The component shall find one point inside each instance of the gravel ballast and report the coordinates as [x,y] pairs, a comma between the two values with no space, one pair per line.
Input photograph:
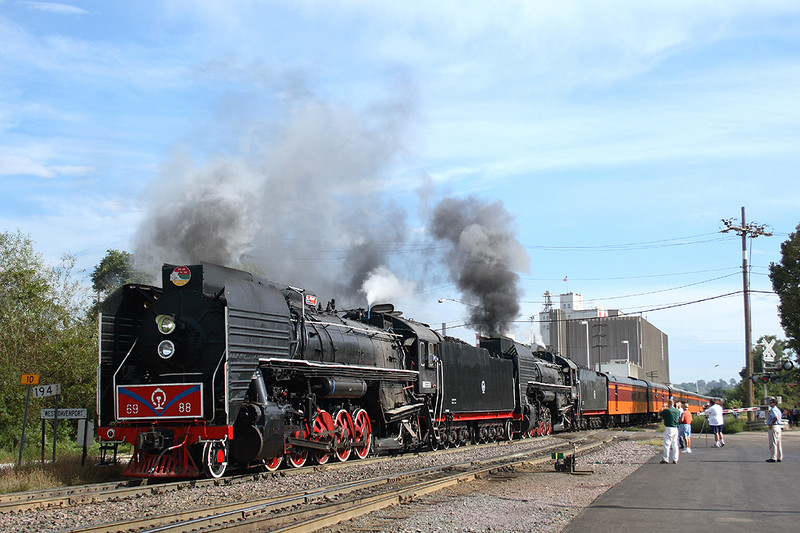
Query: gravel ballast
[523,500]
[531,499]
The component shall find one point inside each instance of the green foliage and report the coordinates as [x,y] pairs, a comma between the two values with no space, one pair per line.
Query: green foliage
[702,386]
[115,270]
[785,277]
[45,331]
[733,424]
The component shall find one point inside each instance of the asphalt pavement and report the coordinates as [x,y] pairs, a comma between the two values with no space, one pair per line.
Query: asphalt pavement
[712,489]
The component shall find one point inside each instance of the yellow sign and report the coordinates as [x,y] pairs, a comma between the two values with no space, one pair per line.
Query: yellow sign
[30,379]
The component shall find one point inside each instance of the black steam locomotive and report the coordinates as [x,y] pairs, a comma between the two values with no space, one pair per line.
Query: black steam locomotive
[220,368]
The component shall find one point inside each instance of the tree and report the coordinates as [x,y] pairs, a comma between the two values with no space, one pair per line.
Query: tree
[113,271]
[44,331]
[785,277]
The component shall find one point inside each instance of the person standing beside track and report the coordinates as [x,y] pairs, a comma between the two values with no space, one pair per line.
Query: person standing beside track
[685,429]
[774,424]
[670,416]
[715,422]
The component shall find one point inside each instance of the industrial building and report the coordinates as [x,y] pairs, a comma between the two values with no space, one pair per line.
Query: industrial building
[604,339]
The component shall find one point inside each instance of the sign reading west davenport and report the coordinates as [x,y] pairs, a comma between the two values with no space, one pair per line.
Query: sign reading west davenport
[49,414]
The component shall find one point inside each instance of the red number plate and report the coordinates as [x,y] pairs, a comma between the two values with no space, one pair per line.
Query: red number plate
[160,401]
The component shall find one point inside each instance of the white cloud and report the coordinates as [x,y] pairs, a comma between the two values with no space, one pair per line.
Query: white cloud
[55,7]
[39,160]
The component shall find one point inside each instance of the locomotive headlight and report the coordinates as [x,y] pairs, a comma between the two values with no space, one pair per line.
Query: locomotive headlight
[166,349]
[165,323]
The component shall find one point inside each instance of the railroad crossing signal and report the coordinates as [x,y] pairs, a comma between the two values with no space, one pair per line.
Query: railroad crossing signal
[768,355]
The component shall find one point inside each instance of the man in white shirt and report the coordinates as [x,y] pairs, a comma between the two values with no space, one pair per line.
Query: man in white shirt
[715,422]
[774,424]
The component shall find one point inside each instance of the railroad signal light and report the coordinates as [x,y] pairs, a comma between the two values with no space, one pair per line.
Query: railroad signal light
[765,378]
[773,378]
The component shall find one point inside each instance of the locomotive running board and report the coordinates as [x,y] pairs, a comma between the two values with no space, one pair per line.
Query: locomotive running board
[317,369]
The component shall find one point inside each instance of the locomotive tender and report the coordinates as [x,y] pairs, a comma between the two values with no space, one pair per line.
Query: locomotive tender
[221,368]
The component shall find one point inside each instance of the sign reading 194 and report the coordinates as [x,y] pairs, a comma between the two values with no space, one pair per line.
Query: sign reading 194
[40,391]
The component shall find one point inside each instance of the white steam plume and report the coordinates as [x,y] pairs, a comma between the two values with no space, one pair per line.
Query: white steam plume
[382,285]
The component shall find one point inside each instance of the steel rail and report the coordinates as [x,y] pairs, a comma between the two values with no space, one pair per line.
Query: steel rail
[316,508]
[76,494]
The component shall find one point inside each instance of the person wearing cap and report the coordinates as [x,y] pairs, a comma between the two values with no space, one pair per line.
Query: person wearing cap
[774,424]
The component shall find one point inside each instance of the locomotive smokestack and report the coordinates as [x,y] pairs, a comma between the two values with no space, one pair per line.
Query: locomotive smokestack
[484,259]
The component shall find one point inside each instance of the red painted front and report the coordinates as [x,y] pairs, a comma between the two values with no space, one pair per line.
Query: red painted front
[178,462]
[127,432]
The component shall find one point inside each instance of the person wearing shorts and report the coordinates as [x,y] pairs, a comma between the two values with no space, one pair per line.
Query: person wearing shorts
[715,422]
[685,429]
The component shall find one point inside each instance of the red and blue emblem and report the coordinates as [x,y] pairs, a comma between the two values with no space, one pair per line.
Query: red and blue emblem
[160,401]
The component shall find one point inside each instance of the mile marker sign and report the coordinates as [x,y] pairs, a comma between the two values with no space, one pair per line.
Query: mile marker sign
[30,379]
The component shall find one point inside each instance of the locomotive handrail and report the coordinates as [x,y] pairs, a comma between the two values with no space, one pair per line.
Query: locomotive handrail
[549,385]
[365,331]
[214,381]
[114,378]
[366,372]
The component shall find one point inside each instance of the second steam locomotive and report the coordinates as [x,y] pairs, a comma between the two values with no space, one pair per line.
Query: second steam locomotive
[219,368]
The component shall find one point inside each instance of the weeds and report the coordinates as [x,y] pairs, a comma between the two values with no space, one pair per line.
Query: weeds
[67,470]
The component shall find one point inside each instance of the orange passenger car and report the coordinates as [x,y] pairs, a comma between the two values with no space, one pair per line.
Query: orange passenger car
[627,399]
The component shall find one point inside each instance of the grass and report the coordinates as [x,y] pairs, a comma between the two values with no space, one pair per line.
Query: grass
[66,471]
[732,424]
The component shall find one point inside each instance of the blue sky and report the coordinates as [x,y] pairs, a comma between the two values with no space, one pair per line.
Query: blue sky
[616,135]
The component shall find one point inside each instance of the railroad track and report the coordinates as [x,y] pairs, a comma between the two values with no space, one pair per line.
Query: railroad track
[309,510]
[98,492]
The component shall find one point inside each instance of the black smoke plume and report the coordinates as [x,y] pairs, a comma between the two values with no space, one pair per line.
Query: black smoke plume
[484,259]
[300,193]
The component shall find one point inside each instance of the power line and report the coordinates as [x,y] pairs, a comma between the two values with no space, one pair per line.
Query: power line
[663,243]
[644,276]
[653,292]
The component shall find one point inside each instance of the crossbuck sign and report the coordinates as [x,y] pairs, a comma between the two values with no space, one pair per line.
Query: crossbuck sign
[768,356]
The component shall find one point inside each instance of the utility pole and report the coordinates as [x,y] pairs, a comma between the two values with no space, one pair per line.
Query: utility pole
[753,231]
[600,335]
